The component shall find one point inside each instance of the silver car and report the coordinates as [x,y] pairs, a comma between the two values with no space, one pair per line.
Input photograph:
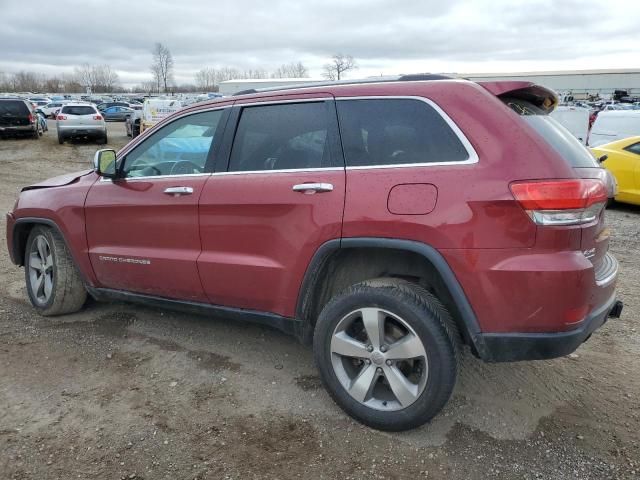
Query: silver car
[80,120]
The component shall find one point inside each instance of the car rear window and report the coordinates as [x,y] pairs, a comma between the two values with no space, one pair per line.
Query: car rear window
[396,132]
[79,110]
[13,108]
[560,139]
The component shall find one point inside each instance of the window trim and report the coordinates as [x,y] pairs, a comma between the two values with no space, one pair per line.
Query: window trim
[233,117]
[473,155]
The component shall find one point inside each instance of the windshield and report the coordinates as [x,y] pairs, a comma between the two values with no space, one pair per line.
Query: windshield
[568,146]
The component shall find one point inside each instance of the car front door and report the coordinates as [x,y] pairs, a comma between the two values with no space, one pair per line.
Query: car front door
[142,229]
[281,198]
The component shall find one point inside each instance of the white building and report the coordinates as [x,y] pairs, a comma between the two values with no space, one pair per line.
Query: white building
[230,87]
[578,82]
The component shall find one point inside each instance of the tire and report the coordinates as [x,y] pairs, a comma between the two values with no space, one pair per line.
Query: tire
[36,134]
[62,290]
[60,139]
[406,311]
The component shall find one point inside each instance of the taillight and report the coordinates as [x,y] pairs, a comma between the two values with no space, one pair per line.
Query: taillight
[61,117]
[561,202]
[97,117]
[31,118]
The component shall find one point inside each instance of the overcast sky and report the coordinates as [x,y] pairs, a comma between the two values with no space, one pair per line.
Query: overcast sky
[385,36]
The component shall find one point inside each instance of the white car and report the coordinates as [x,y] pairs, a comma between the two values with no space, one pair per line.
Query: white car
[80,120]
[50,109]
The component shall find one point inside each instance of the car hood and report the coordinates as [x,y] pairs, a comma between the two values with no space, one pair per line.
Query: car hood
[58,181]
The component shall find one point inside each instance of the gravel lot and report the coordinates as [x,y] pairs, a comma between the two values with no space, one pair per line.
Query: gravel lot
[121,391]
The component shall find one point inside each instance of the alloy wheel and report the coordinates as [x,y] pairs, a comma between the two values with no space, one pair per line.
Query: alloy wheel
[379,359]
[41,269]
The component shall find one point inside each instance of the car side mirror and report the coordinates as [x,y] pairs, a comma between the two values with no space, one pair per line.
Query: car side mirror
[104,163]
[602,158]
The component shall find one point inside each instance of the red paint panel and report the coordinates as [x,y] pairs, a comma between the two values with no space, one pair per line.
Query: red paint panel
[143,240]
[258,236]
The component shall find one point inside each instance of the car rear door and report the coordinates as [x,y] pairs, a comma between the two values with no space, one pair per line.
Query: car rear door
[281,197]
[142,229]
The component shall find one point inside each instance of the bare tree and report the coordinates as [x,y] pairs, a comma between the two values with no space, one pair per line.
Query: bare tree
[291,70]
[206,79]
[106,79]
[98,78]
[25,82]
[162,66]
[339,64]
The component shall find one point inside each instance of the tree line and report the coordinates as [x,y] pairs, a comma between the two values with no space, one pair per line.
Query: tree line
[104,79]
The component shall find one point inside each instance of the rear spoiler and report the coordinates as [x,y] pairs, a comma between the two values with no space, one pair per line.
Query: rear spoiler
[540,96]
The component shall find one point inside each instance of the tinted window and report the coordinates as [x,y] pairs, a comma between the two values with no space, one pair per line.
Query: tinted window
[280,137]
[635,148]
[179,148]
[79,110]
[395,132]
[13,108]
[562,141]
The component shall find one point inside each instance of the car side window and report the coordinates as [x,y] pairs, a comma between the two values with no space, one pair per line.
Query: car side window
[282,137]
[634,148]
[179,148]
[378,132]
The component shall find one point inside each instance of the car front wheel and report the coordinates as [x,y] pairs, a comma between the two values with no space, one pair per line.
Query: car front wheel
[387,351]
[53,282]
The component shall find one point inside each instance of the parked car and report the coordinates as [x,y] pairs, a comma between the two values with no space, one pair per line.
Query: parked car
[132,123]
[117,113]
[39,101]
[610,126]
[18,117]
[466,220]
[76,120]
[50,109]
[105,105]
[622,159]
[42,118]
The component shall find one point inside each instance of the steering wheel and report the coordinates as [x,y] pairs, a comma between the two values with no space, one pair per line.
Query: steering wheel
[144,166]
[184,167]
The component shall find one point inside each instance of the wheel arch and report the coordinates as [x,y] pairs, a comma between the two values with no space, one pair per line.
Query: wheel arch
[352,260]
[21,230]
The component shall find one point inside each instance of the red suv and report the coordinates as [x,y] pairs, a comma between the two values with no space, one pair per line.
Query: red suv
[386,223]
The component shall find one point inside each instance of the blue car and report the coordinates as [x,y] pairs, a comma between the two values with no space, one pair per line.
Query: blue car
[117,113]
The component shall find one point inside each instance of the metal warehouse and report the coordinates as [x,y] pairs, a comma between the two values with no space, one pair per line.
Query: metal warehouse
[577,82]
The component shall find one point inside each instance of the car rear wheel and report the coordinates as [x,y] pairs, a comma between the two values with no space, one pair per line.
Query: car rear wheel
[53,282]
[60,139]
[387,351]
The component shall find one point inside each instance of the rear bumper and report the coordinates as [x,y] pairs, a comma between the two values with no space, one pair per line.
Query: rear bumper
[83,130]
[512,347]
[18,129]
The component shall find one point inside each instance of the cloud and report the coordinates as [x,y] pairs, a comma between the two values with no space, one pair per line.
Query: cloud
[385,37]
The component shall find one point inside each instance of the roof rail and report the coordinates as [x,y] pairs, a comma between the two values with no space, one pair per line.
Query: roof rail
[414,77]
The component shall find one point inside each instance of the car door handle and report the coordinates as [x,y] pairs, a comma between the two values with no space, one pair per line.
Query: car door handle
[313,188]
[177,191]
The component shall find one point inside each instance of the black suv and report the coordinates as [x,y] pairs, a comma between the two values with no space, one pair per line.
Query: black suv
[17,116]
